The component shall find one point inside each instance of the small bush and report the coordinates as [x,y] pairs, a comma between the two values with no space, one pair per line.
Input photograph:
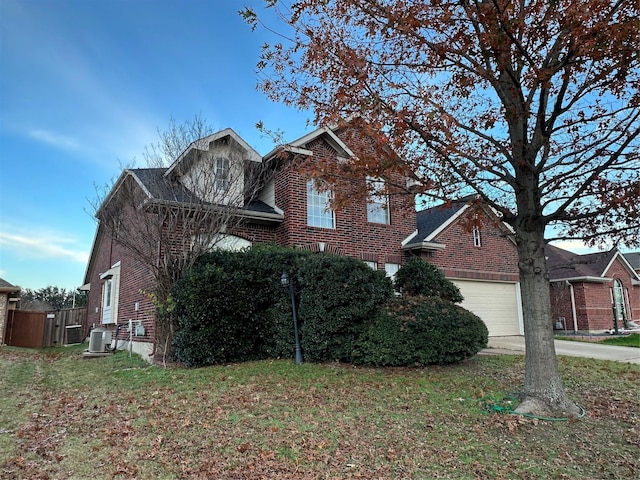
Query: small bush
[420,278]
[421,331]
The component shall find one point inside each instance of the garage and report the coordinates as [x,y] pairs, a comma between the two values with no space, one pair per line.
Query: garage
[496,303]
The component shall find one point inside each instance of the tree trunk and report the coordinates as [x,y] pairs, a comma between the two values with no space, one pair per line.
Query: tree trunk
[543,392]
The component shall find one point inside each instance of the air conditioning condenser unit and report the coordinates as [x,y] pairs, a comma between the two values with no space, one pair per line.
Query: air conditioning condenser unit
[99,340]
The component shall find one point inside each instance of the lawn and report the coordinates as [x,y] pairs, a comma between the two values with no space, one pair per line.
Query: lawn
[63,417]
[631,340]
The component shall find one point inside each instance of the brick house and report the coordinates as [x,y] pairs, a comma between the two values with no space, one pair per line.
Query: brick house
[475,250]
[589,292]
[289,210]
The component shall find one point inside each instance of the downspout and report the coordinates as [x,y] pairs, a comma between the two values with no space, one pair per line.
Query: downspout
[613,310]
[573,308]
[629,315]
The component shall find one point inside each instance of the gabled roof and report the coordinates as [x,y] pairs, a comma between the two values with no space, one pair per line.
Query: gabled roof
[299,145]
[202,144]
[432,221]
[590,267]
[159,189]
[634,260]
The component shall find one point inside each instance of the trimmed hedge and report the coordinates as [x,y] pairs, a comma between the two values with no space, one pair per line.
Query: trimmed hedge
[420,278]
[421,331]
[338,297]
[231,307]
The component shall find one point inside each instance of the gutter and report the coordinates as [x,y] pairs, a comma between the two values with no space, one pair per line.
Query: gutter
[430,246]
[582,279]
[573,307]
[234,211]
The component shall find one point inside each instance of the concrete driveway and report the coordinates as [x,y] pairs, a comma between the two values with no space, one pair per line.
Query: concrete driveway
[515,344]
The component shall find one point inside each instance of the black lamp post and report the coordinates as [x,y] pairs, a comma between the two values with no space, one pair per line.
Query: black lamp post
[284,279]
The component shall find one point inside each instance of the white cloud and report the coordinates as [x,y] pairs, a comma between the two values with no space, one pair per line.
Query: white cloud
[43,245]
[54,139]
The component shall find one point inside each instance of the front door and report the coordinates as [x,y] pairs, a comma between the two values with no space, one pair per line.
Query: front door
[107,300]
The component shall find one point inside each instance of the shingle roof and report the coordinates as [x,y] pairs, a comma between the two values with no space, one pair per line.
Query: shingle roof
[259,206]
[7,287]
[634,259]
[565,265]
[161,188]
[430,219]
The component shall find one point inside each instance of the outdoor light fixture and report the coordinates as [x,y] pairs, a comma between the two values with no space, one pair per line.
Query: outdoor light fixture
[284,279]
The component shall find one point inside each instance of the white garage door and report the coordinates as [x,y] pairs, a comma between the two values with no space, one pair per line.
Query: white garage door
[497,304]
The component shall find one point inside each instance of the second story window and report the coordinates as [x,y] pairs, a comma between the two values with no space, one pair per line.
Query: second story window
[319,213]
[222,173]
[378,202]
[477,240]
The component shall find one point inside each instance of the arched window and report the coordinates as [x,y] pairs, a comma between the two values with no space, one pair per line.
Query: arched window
[618,302]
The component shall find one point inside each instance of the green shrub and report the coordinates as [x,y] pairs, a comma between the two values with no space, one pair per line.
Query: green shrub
[231,307]
[421,331]
[338,297]
[418,277]
[214,327]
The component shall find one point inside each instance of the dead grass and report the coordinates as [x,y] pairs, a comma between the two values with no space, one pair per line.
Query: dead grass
[63,417]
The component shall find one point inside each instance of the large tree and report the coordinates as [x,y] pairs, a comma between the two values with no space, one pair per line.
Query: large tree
[532,105]
[52,297]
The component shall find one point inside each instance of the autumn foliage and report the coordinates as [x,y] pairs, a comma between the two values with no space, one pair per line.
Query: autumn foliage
[532,105]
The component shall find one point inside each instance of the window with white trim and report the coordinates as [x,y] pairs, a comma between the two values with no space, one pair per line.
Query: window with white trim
[477,240]
[619,306]
[223,168]
[378,202]
[371,265]
[219,241]
[319,213]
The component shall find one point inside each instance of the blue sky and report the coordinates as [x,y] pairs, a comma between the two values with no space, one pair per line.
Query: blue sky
[85,85]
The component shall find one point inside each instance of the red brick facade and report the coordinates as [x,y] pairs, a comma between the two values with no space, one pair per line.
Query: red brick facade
[353,235]
[135,284]
[495,259]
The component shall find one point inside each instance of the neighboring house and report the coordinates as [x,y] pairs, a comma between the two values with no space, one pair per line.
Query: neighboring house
[8,300]
[290,210]
[475,250]
[589,291]
[634,260]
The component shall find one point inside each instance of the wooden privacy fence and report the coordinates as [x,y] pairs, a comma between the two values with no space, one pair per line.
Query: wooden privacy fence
[32,329]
